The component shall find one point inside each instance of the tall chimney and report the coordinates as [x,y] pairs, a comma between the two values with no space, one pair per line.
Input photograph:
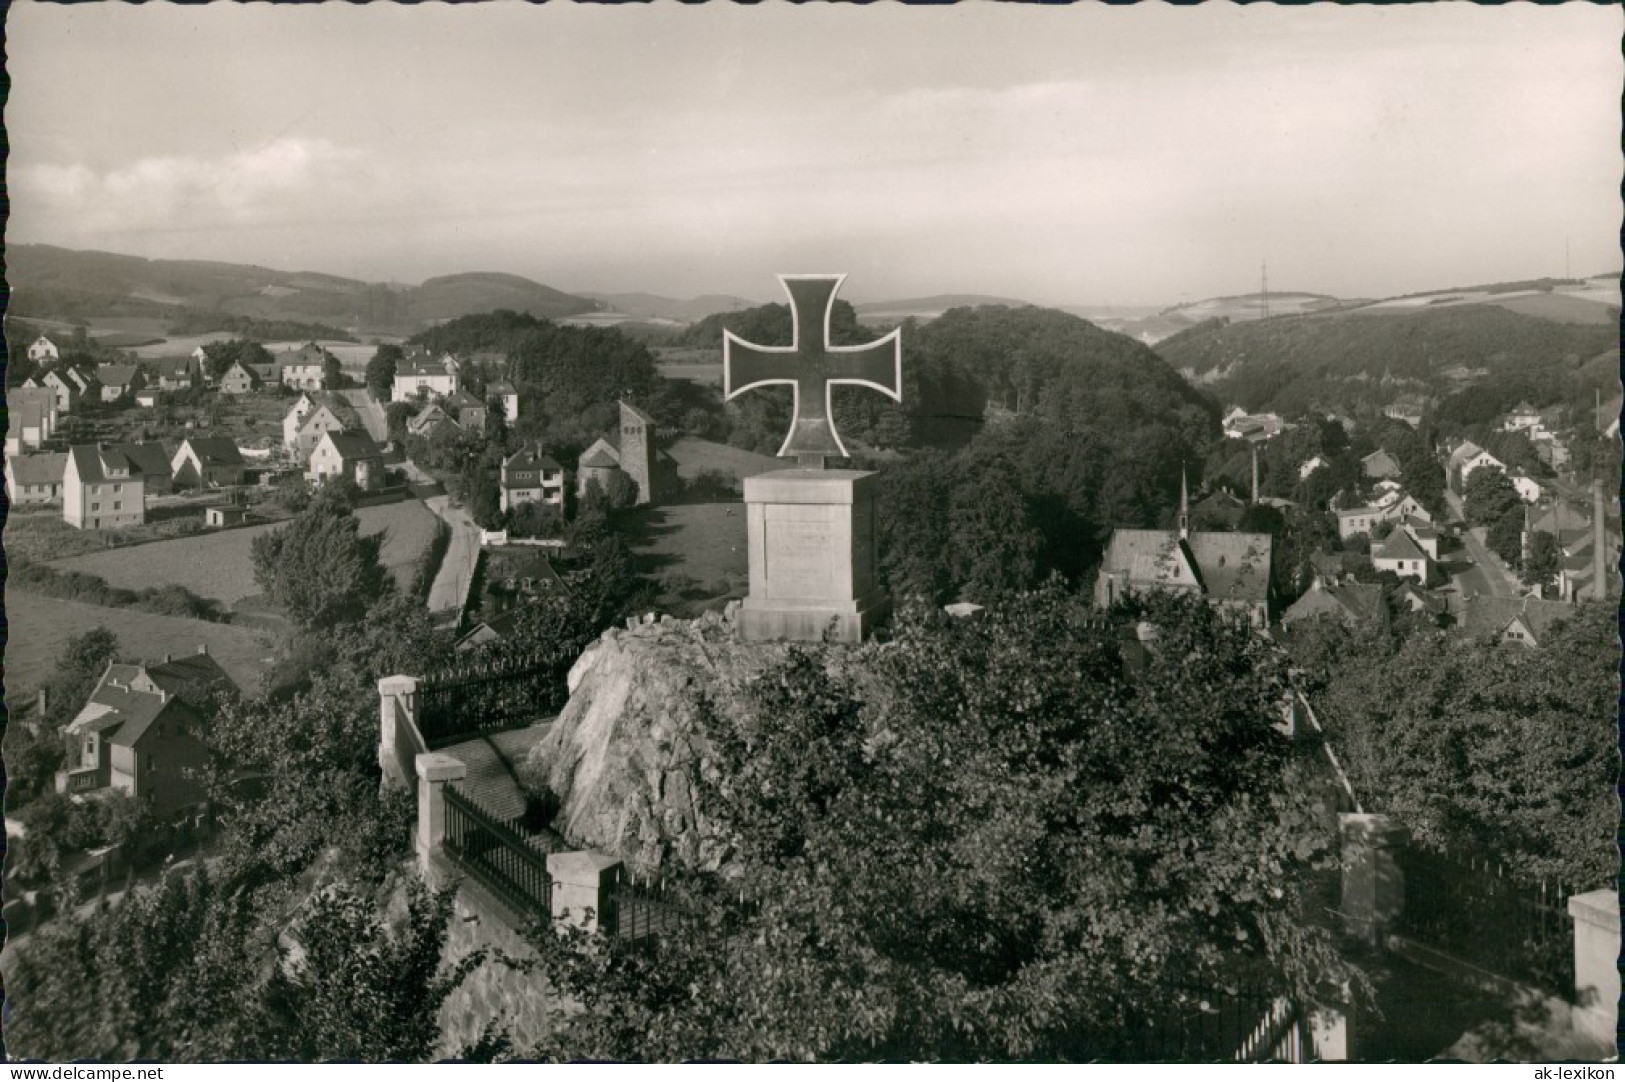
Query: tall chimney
[43,703]
[1599,543]
[1184,506]
[1255,472]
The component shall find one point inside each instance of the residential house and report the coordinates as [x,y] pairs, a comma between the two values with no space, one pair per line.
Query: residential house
[139,733]
[1400,553]
[149,397]
[1467,458]
[468,411]
[225,516]
[101,489]
[66,391]
[174,373]
[304,368]
[28,423]
[119,380]
[429,418]
[240,378]
[1217,511]
[508,395]
[43,351]
[1407,409]
[530,476]
[1529,489]
[1415,599]
[152,460]
[425,375]
[348,454]
[270,373]
[1423,533]
[311,417]
[207,462]
[1381,465]
[85,379]
[1352,605]
[35,478]
[1310,467]
[1523,418]
[1524,620]
[1255,426]
[1230,570]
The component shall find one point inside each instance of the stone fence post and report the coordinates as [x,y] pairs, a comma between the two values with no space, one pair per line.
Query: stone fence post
[434,771]
[1596,966]
[582,881]
[1373,885]
[397,702]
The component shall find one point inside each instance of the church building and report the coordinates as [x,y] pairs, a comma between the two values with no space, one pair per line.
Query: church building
[1231,570]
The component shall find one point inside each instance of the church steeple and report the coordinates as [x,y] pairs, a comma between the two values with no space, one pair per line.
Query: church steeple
[1184,506]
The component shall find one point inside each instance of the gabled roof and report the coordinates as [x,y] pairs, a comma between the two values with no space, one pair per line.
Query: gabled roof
[303,357]
[1398,546]
[129,698]
[215,450]
[353,445]
[502,387]
[1491,616]
[1233,565]
[151,458]
[600,458]
[426,364]
[462,400]
[170,367]
[1355,601]
[93,460]
[117,375]
[1151,558]
[244,369]
[46,469]
[531,458]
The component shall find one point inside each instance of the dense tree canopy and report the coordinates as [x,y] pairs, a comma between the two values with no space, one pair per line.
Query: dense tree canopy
[219,356]
[991,840]
[1488,749]
[319,569]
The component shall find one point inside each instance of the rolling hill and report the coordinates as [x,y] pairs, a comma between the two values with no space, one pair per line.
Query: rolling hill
[654,306]
[60,283]
[928,308]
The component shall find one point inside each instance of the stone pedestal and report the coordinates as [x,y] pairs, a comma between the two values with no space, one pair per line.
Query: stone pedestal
[1596,965]
[584,881]
[813,557]
[1373,886]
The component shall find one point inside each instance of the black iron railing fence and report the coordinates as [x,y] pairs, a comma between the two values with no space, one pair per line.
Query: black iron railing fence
[500,855]
[489,697]
[1217,1022]
[1477,912]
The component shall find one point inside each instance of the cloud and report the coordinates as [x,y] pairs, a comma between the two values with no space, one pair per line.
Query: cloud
[283,179]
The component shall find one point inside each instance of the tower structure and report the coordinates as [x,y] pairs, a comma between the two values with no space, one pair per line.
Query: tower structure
[1184,506]
[1264,276]
[637,447]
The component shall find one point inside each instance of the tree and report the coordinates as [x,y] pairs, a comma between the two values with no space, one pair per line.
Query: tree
[381,371]
[397,415]
[1505,535]
[1545,558]
[989,841]
[319,569]
[333,377]
[1487,749]
[1488,495]
[83,659]
[219,356]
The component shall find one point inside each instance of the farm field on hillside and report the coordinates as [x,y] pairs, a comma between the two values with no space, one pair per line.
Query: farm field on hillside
[694,373]
[218,565]
[37,627]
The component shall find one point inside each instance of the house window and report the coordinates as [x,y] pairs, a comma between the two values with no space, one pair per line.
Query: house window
[118,488]
[118,505]
[152,765]
[95,507]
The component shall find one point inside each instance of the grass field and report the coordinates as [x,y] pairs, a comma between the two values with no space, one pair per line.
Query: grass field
[696,552]
[40,535]
[218,565]
[694,455]
[37,627]
[694,373]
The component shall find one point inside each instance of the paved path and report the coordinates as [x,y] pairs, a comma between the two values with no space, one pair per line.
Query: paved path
[1489,574]
[452,582]
[372,414]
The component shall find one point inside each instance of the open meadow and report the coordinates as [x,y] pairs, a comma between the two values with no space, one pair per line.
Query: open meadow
[38,627]
[694,456]
[695,553]
[218,565]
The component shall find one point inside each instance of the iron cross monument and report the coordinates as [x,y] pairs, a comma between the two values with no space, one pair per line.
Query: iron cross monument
[812,530]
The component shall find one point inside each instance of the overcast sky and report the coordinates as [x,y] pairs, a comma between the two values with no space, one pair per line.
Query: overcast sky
[1061,155]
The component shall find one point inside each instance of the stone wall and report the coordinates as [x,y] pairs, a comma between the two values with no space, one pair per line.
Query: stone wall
[497,991]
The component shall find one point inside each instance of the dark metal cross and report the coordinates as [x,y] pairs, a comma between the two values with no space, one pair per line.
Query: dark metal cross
[811,366]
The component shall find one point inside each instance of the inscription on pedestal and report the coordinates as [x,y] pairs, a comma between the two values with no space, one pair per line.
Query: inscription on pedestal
[799,544]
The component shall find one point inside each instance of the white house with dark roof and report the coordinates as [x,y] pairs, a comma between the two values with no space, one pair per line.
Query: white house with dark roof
[102,489]
[508,395]
[1467,458]
[139,732]
[1400,553]
[118,380]
[35,478]
[425,374]
[311,417]
[207,462]
[530,476]
[43,351]
[304,368]
[353,455]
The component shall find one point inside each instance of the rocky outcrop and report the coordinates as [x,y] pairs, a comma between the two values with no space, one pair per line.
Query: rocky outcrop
[627,757]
